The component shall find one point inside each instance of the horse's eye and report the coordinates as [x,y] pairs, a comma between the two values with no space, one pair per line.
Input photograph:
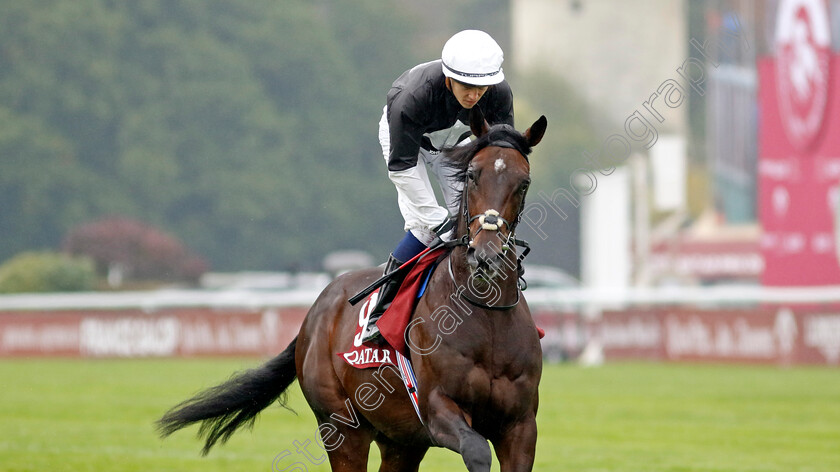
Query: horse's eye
[524,186]
[471,175]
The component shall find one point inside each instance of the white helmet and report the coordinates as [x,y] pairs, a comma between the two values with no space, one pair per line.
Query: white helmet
[473,57]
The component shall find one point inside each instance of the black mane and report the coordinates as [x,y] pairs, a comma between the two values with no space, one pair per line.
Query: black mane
[459,157]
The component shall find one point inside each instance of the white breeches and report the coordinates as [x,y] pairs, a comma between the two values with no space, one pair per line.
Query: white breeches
[415,196]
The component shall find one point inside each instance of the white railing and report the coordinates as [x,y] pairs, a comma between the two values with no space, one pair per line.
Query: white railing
[152,300]
[723,296]
[731,296]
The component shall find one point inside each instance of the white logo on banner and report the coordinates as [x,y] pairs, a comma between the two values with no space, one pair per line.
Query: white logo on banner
[803,51]
[129,336]
[733,337]
[781,200]
[823,333]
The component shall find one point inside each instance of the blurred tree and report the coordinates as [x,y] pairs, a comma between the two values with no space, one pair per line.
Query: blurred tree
[46,271]
[438,20]
[43,186]
[247,128]
[127,249]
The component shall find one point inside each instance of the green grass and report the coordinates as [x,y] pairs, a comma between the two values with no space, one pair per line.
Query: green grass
[83,415]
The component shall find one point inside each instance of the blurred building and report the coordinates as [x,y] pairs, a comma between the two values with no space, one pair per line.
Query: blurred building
[752,88]
[614,52]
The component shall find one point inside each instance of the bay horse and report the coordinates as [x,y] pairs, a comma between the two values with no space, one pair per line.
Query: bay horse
[474,346]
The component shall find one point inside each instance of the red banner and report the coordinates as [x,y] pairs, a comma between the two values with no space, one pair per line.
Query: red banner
[773,335]
[133,333]
[799,149]
[777,334]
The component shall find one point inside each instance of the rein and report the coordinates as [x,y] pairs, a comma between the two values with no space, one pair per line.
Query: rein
[522,285]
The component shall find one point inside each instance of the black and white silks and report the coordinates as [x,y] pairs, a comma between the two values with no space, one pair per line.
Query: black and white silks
[421,118]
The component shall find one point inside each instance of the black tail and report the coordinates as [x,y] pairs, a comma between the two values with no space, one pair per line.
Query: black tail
[225,408]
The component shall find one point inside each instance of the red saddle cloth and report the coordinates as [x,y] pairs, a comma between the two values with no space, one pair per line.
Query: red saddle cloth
[393,322]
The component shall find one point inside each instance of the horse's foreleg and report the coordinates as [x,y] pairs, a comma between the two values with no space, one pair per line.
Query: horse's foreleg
[449,428]
[516,448]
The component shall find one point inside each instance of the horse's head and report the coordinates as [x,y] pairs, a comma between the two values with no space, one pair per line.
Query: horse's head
[496,179]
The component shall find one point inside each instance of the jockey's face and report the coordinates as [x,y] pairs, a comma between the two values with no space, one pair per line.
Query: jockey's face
[467,95]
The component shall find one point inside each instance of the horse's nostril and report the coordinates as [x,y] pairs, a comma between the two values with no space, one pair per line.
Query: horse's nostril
[472,260]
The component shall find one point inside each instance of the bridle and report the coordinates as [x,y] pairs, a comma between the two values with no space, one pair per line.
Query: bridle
[491,220]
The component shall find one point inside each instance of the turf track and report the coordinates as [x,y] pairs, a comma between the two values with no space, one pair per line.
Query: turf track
[83,415]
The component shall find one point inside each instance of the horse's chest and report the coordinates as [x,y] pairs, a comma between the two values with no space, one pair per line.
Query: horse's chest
[494,391]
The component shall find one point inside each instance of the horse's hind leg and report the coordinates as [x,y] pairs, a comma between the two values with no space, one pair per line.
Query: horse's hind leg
[517,447]
[399,457]
[347,447]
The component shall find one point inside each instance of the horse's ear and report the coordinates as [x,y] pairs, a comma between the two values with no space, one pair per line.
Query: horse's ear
[535,133]
[478,125]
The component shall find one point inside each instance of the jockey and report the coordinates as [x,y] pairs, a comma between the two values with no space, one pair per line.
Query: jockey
[427,111]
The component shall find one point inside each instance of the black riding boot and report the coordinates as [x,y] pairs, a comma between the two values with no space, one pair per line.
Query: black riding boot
[386,295]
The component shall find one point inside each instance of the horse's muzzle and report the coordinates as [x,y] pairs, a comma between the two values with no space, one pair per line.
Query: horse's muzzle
[486,263]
